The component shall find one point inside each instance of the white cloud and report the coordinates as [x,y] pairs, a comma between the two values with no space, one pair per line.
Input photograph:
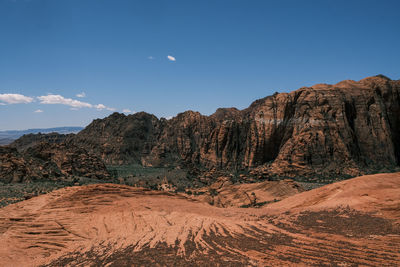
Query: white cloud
[101,107]
[14,99]
[38,111]
[58,99]
[81,95]
[127,110]
[73,103]
[150,57]
[169,117]
[171,58]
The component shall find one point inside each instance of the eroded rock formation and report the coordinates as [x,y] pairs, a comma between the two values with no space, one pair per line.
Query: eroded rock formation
[348,128]
[120,139]
[223,193]
[340,130]
[49,161]
[29,140]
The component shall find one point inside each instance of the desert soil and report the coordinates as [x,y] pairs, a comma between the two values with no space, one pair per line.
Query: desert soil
[349,223]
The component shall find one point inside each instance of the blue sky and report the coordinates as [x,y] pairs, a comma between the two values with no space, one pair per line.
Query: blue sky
[227,53]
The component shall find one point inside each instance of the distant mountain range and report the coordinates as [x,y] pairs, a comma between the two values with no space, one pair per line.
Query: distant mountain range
[6,137]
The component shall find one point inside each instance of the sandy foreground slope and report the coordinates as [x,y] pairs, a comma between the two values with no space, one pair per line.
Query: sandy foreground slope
[354,222]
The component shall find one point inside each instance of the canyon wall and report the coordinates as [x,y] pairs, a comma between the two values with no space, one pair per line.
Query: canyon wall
[345,129]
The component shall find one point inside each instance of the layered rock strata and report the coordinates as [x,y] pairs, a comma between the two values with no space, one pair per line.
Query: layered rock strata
[348,128]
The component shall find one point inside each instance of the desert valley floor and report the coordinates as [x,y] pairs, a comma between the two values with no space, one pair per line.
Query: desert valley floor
[349,223]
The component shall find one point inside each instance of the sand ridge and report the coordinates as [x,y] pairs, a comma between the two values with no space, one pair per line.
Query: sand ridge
[347,223]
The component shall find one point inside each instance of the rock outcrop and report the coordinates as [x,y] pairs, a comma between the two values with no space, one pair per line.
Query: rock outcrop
[120,139]
[49,162]
[348,128]
[223,193]
[29,140]
[14,167]
[340,130]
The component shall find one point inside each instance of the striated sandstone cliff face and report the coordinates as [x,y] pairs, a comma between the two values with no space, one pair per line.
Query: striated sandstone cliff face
[349,128]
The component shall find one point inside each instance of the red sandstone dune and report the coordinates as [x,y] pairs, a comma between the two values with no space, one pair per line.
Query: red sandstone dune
[370,193]
[354,222]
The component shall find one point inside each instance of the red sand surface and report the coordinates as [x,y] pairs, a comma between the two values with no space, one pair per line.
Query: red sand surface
[354,222]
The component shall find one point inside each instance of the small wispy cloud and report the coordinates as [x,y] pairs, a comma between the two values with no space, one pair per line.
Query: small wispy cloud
[73,103]
[81,95]
[171,58]
[101,107]
[150,57]
[15,99]
[169,117]
[127,110]
[38,111]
